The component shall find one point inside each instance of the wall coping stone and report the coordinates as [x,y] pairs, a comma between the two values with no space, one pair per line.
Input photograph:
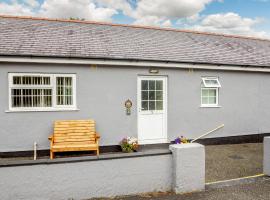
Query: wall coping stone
[145,153]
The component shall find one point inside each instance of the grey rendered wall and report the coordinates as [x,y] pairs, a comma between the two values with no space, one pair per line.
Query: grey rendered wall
[101,92]
[188,167]
[83,180]
[266,156]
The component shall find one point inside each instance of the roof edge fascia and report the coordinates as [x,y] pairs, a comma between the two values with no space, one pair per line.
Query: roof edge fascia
[134,63]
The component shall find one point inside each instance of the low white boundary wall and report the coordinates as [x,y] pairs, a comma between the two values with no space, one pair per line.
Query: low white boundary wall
[188,167]
[104,178]
[266,156]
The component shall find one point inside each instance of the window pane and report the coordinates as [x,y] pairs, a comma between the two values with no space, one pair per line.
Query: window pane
[211,82]
[17,80]
[64,90]
[26,98]
[159,105]
[70,100]
[31,80]
[68,81]
[144,85]
[144,105]
[46,80]
[212,92]
[68,91]
[47,101]
[31,97]
[212,100]
[204,100]
[204,92]
[152,105]
[60,90]
[16,97]
[26,80]
[37,98]
[47,98]
[152,95]
[144,95]
[159,85]
[152,85]
[159,95]
[60,100]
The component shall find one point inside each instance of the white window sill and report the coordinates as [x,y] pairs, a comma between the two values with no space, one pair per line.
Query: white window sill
[210,106]
[45,110]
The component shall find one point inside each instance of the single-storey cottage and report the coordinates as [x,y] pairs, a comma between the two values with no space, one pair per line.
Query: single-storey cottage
[178,82]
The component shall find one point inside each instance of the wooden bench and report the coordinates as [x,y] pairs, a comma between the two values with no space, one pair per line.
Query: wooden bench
[74,135]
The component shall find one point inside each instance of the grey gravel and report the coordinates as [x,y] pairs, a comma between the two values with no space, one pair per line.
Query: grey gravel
[225,162]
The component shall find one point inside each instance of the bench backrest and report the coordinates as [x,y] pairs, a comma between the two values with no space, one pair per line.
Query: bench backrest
[74,131]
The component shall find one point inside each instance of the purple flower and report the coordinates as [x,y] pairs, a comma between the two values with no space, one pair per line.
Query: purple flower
[177,140]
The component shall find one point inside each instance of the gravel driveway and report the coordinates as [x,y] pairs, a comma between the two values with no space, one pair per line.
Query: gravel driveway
[259,190]
[225,162]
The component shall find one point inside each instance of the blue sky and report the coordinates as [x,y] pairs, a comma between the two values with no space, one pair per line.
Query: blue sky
[245,8]
[240,17]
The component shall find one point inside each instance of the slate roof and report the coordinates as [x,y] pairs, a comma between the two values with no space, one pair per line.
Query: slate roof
[24,36]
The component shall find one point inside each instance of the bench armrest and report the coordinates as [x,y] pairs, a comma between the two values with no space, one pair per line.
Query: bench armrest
[97,136]
[50,138]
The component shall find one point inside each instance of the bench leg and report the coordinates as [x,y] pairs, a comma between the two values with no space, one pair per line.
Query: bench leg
[97,151]
[51,155]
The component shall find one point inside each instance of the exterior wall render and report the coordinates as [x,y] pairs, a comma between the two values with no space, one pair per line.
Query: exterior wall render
[84,180]
[183,170]
[101,92]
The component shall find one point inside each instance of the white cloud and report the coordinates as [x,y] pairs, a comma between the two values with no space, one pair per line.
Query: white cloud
[32,3]
[151,20]
[83,9]
[170,9]
[15,9]
[144,12]
[230,23]
[157,12]
[123,5]
[166,23]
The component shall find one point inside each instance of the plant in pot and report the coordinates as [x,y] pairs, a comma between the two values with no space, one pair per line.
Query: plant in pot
[181,140]
[129,144]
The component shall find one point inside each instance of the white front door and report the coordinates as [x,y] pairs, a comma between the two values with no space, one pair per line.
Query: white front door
[152,109]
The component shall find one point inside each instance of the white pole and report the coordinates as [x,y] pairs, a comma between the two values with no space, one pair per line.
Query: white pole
[221,126]
[35,150]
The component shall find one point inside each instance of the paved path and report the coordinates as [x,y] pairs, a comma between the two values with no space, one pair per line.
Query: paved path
[259,190]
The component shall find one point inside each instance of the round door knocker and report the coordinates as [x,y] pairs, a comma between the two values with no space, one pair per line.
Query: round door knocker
[128,105]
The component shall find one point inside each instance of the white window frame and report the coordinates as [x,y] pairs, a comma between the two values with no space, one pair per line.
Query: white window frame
[206,85]
[52,86]
[216,87]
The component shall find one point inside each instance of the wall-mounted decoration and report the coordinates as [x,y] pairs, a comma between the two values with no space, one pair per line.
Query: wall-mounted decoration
[128,105]
[153,71]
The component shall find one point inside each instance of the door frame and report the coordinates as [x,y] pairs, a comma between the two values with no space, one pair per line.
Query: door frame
[165,107]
